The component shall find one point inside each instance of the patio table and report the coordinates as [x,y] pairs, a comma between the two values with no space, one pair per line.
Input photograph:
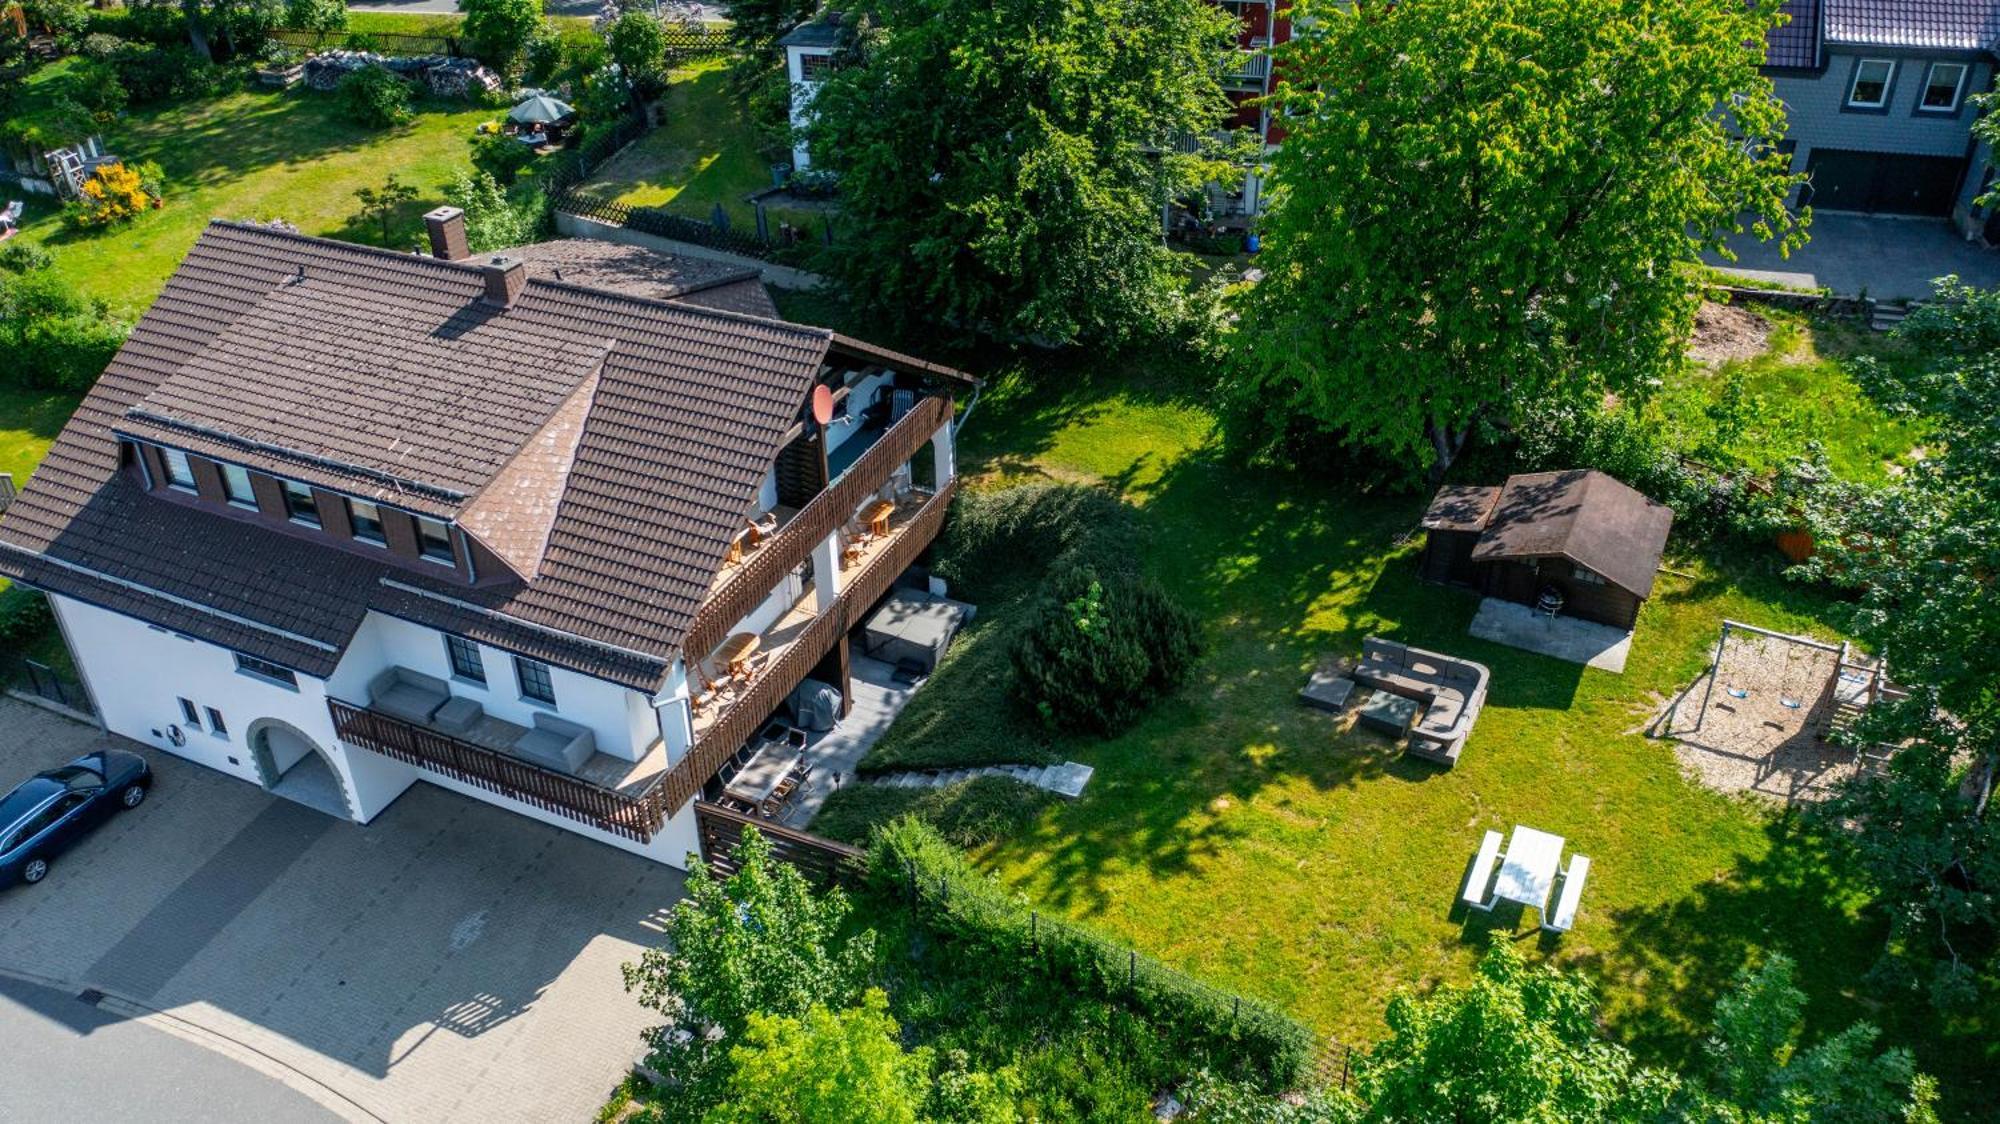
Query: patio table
[758,779]
[1529,868]
[738,649]
[877,517]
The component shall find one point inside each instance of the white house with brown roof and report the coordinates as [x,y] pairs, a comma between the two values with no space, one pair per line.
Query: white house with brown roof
[558,529]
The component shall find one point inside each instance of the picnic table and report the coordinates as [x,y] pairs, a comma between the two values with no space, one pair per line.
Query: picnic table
[877,517]
[1528,870]
[759,779]
[737,650]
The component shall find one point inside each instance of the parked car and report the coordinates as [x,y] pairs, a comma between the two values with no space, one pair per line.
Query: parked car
[56,807]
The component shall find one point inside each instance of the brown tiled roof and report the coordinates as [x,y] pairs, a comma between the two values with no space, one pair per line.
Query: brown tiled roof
[684,421]
[640,272]
[1461,507]
[1585,516]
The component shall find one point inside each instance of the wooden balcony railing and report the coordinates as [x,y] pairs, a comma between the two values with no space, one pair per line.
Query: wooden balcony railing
[714,745]
[823,861]
[634,816]
[793,544]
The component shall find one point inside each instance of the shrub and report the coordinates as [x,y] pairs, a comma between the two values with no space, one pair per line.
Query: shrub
[374,97]
[1018,532]
[115,193]
[316,15]
[1099,649]
[64,19]
[161,24]
[493,219]
[24,616]
[102,47]
[987,931]
[813,183]
[160,73]
[501,157]
[53,336]
[562,55]
[500,30]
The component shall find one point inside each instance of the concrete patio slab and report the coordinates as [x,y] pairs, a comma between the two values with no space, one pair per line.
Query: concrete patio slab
[1566,638]
[1883,257]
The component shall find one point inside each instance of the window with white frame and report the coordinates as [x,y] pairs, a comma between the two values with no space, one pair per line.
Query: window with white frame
[465,661]
[1942,87]
[180,473]
[301,504]
[267,671]
[434,541]
[1871,83]
[366,519]
[236,483]
[815,68]
[533,676]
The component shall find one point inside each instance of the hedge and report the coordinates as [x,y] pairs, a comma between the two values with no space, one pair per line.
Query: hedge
[991,931]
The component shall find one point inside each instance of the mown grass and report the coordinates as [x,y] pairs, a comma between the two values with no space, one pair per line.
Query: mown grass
[706,151]
[1244,838]
[258,155]
[969,813]
[1801,390]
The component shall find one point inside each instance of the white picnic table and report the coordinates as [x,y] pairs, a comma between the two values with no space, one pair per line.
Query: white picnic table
[1528,870]
[758,779]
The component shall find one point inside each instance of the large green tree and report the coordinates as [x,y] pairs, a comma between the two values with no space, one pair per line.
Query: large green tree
[760,942]
[500,30]
[1003,164]
[1925,553]
[1481,204]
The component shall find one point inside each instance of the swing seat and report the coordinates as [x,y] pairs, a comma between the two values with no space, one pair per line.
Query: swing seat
[1789,704]
[1736,692]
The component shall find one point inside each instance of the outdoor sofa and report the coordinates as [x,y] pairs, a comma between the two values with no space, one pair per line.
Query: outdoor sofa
[1450,690]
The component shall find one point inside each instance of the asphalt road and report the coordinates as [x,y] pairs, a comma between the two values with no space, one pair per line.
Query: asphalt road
[63,1059]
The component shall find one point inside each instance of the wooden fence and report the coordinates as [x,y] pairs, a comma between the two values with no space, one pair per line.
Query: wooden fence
[823,861]
[635,817]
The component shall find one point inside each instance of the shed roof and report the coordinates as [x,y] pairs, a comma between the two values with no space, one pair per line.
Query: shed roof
[1461,507]
[1582,515]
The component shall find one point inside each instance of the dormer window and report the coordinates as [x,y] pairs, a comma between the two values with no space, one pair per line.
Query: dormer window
[434,541]
[236,483]
[366,519]
[180,473]
[301,505]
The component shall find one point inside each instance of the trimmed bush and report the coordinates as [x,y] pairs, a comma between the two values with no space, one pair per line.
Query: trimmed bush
[374,97]
[53,336]
[1017,533]
[988,931]
[24,616]
[1099,649]
[161,73]
[969,813]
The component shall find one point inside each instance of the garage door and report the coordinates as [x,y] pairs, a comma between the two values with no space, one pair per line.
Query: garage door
[1884,182]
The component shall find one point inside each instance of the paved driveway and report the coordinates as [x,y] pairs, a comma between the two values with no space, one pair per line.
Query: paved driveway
[450,961]
[1853,255]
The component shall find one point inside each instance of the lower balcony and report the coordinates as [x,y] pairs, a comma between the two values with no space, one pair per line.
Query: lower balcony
[606,792]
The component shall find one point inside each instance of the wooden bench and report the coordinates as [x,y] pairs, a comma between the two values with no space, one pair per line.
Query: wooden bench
[1572,893]
[1482,873]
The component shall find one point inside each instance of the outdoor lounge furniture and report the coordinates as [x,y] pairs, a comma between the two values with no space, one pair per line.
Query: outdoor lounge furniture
[556,743]
[1572,893]
[458,714]
[1327,690]
[1481,875]
[1449,690]
[409,695]
[1387,713]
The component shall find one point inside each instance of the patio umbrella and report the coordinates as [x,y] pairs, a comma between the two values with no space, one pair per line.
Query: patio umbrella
[540,110]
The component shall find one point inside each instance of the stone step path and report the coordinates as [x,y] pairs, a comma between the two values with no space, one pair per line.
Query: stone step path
[1066,779]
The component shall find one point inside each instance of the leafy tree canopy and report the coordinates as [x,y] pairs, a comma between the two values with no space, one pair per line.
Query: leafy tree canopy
[1482,204]
[755,26]
[757,943]
[500,30]
[1001,165]
[824,1068]
[493,221]
[1925,553]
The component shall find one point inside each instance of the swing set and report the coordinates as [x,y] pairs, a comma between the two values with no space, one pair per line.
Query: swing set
[1757,667]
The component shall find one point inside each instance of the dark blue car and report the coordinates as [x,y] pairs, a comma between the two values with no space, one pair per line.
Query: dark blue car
[53,809]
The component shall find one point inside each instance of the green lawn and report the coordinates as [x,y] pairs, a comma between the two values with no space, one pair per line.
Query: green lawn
[1233,834]
[706,151]
[254,155]
[1799,390]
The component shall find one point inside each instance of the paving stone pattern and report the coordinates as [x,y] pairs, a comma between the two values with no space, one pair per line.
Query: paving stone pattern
[450,961]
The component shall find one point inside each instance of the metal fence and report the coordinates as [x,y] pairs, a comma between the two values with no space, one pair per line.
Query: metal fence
[716,235]
[685,43]
[41,680]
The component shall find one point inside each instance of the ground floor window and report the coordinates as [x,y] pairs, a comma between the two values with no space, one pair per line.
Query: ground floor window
[534,679]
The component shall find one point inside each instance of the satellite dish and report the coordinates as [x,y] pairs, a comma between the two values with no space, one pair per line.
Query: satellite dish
[822,404]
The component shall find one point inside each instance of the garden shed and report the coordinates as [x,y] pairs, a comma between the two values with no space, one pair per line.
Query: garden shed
[1577,543]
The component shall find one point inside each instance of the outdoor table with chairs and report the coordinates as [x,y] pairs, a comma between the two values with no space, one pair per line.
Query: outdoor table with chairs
[1527,874]
[876,517]
[736,651]
[769,779]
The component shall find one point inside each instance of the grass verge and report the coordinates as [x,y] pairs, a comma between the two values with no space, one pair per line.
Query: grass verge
[969,813]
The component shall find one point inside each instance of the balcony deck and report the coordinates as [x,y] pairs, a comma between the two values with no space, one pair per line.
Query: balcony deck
[788,629]
[785,513]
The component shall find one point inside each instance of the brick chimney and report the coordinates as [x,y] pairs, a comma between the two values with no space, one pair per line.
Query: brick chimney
[447,227]
[505,278]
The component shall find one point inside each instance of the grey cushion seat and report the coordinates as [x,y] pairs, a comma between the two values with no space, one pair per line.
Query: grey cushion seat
[409,695]
[556,743]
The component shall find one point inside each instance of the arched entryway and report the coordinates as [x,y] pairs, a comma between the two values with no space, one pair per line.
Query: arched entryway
[293,766]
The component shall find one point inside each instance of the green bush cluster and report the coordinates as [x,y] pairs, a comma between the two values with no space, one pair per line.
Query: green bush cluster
[1101,647]
[997,540]
[24,616]
[152,74]
[989,931]
[969,813]
[54,336]
[374,97]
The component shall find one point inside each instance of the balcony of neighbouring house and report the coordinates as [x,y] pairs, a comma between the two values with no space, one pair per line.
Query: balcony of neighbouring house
[1247,67]
[553,764]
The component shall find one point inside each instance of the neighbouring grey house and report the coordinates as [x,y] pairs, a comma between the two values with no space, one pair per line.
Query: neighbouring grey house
[1878,93]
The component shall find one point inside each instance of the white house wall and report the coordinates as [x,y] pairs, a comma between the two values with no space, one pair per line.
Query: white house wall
[620,717]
